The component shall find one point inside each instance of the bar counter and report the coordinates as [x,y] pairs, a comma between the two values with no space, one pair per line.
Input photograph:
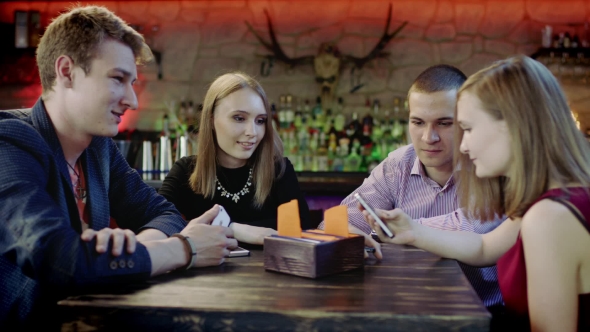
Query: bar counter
[318,183]
[409,290]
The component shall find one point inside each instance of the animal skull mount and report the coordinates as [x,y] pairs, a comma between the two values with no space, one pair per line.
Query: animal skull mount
[327,72]
[328,62]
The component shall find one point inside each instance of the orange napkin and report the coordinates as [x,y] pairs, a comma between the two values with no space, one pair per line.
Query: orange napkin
[288,222]
[336,221]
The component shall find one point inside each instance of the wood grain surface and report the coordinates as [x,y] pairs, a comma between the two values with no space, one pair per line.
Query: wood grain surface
[409,290]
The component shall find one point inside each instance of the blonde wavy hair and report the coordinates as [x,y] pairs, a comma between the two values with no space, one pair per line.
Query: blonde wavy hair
[546,144]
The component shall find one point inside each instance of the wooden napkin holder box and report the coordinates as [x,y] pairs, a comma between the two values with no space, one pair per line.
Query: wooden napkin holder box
[313,260]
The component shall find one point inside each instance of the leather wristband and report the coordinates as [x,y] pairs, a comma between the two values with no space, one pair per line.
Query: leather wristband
[189,247]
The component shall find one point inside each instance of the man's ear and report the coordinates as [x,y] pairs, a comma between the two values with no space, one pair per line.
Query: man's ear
[64,66]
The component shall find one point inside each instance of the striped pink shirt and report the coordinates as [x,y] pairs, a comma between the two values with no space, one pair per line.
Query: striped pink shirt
[400,182]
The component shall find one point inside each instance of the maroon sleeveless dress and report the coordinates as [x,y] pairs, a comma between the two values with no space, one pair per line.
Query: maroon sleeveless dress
[512,269]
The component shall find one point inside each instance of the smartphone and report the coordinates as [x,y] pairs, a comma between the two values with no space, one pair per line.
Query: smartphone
[222,218]
[369,209]
[239,252]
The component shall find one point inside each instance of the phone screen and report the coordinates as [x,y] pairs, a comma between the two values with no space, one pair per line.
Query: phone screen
[369,209]
[239,252]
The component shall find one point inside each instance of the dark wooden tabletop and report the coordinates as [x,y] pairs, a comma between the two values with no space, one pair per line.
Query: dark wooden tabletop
[409,290]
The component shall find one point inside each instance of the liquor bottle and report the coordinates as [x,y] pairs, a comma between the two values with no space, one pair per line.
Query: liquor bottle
[353,161]
[292,145]
[329,121]
[339,119]
[314,142]
[297,121]
[376,131]
[376,114]
[567,40]
[282,112]
[337,162]
[386,123]
[341,154]
[319,114]
[317,109]
[575,41]
[332,150]
[322,153]
[556,41]
[289,114]
[275,117]
[298,163]
[306,111]
[303,136]
[367,119]
[561,39]
[354,127]
[366,137]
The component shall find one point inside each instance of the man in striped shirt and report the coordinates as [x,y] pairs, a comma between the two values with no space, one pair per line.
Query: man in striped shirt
[418,178]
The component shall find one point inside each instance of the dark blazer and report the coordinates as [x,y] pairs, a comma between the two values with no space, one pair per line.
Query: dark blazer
[41,254]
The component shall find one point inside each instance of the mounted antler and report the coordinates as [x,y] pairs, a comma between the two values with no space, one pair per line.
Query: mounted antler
[276,49]
[377,51]
[328,62]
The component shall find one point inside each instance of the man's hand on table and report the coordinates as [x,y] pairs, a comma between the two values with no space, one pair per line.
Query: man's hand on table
[213,242]
[120,238]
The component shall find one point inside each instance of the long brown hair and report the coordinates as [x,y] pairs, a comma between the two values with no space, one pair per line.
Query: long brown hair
[263,160]
[546,145]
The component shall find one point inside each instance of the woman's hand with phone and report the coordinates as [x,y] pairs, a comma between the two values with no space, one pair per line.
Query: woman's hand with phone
[251,234]
[397,221]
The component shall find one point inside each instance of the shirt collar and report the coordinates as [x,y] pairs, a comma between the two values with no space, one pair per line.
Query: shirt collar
[418,169]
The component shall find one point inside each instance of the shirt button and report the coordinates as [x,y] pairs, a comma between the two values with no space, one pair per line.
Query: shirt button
[130,264]
[122,263]
[440,194]
[113,265]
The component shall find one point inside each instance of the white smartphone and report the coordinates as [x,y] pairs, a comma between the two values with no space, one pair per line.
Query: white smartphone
[222,218]
[369,209]
[239,252]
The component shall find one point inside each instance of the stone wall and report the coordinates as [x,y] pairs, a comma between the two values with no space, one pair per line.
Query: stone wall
[202,39]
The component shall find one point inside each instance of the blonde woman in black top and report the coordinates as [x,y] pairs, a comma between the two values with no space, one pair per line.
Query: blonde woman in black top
[240,163]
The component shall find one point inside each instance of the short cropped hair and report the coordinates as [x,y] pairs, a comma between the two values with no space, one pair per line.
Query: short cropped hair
[78,33]
[438,78]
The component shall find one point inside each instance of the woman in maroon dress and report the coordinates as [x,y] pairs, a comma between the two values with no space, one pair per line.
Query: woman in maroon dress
[520,154]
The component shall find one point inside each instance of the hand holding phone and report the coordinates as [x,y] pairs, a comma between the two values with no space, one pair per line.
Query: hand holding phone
[222,218]
[369,209]
[239,252]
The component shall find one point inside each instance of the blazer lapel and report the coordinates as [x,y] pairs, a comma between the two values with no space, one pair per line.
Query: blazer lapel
[42,122]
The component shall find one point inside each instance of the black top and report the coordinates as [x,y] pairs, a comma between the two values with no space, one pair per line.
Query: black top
[177,190]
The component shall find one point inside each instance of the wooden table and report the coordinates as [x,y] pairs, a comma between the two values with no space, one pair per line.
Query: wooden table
[409,290]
